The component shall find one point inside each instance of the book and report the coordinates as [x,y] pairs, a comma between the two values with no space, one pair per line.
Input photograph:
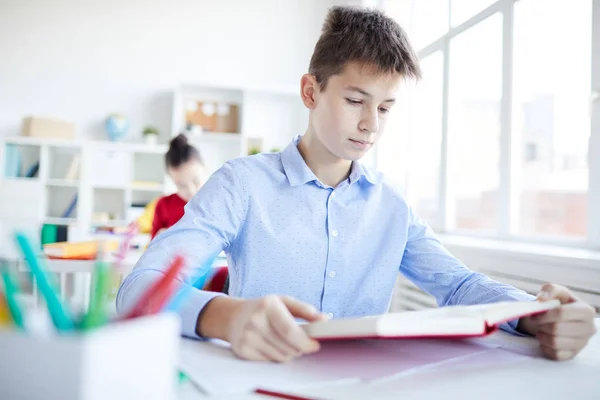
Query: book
[13,161]
[445,322]
[73,171]
[70,208]
[33,171]
[78,250]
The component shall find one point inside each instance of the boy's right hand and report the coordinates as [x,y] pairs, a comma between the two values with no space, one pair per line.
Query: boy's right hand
[264,329]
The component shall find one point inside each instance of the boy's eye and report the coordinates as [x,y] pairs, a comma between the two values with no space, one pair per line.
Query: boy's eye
[384,110]
[354,102]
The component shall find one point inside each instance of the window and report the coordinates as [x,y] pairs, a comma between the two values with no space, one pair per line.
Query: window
[551,86]
[409,151]
[462,10]
[497,139]
[424,20]
[474,124]
[425,141]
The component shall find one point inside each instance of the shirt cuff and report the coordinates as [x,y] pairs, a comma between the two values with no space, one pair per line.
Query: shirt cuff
[139,281]
[511,326]
[191,308]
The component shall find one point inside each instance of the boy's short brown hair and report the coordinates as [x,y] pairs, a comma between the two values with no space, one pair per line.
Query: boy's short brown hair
[364,36]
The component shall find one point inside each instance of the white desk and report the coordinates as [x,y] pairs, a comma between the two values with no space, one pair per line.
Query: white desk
[76,291]
[497,374]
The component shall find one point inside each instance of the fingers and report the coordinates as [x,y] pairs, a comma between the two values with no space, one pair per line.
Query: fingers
[560,348]
[283,347]
[569,329]
[551,291]
[558,355]
[259,343]
[563,332]
[288,331]
[302,310]
[561,342]
[570,312]
[265,329]
[275,350]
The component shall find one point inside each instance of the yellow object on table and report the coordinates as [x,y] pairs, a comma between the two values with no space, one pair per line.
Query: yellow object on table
[145,220]
[78,250]
[5,317]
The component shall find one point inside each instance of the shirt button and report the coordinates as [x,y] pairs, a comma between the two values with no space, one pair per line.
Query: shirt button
[334,233]
[330,315]
[332,274]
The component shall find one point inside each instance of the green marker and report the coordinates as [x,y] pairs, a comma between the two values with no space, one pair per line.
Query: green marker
[12,291]
[182,377]
[96,315]
[60,315]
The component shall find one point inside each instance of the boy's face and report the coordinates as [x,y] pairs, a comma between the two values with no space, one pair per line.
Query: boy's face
[349,116]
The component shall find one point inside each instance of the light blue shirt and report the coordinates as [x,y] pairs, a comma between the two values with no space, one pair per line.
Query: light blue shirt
[284,232]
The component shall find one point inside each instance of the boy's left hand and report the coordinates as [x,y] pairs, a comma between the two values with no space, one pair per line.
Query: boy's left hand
[562,332]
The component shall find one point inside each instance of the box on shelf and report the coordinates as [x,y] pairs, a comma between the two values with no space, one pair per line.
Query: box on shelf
[214,117]
[48,128]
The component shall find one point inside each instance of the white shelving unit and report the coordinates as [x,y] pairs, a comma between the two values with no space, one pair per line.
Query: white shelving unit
[266,119]
[105,178]
[109,177]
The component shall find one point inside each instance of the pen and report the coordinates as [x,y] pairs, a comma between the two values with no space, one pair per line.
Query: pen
[96,315]
[155,297]
[58,312]
[186,289]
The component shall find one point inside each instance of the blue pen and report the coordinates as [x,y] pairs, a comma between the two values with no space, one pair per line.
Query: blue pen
[58,312]
[186,288]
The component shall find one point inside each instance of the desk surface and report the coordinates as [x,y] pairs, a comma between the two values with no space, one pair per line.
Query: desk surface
[512,368]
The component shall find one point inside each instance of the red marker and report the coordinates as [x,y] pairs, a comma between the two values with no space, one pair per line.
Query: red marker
[155,298]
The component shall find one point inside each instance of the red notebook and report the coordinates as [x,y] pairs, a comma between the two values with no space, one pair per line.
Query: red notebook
[445,322]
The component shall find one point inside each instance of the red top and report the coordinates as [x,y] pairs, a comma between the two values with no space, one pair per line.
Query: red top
[169,210]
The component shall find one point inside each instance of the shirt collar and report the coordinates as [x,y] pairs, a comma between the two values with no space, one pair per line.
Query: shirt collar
[298,173]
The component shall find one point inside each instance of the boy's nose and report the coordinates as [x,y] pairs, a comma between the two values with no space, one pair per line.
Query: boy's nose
[369,123]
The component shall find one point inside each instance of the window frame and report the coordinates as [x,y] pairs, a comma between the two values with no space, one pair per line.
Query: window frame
[509,193]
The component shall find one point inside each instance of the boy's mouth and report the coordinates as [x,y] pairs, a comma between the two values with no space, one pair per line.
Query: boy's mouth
[361,144]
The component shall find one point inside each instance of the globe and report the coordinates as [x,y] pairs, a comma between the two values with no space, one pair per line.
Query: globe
[116,126]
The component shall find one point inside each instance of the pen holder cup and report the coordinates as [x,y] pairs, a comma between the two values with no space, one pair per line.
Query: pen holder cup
[134,359]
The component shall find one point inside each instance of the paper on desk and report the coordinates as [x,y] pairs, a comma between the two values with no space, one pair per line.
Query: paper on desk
[218,371]
[508,362]
[482,362]
[525,346]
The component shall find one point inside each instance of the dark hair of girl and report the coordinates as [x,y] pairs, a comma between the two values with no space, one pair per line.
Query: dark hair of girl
[180,152]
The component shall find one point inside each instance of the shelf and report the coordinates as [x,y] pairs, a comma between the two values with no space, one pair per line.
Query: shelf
[134,147]
[217,136]
[60,221]
[156,189]
[21,179]
[62,183]
[35,141]
[110,223]
[110,187]
[137,147]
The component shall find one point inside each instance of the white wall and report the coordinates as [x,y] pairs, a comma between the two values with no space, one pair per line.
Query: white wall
[83,59]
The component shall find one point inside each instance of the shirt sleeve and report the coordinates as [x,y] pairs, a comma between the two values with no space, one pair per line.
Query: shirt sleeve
[433,269]
[211,222]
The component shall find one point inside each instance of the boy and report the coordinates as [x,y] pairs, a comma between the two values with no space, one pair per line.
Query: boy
[314,225]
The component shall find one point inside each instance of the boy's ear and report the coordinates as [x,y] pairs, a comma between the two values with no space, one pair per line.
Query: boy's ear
[308,90]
